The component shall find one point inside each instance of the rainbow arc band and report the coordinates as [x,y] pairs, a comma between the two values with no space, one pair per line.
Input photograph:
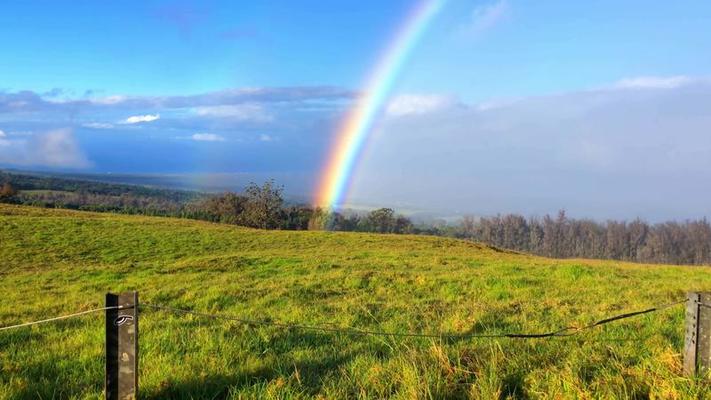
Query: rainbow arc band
[353,134]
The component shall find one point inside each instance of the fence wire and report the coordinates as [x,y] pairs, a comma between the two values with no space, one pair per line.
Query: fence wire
[563,332]
[77,314]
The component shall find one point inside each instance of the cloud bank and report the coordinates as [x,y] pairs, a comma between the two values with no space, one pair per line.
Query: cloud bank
[638,147]
[138,134]
[29,101]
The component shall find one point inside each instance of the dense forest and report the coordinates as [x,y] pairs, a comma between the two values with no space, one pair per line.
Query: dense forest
[687,242]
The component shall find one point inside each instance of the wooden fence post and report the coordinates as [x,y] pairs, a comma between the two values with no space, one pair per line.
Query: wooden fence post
[697,343]
[122,346]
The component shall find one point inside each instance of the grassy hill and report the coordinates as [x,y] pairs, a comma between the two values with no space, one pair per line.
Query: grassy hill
[57,261]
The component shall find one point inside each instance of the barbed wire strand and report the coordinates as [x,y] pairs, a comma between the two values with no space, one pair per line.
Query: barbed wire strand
[78,314]
[563,332]
[632,314]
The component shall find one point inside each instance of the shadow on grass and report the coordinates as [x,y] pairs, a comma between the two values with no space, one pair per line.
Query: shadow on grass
[54,378]
[304,377]
[47,379]
[223,386]
[514,387]
[285,370]
[490,322]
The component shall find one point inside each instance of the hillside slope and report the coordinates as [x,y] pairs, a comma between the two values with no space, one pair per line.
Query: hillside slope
[56,261]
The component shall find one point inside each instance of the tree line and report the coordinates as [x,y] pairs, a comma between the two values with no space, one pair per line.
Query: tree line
[263,206]
[687,242]
[257,206]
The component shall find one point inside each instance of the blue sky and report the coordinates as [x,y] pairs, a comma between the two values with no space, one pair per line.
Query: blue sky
[162,48]
[151,47]
[259,87]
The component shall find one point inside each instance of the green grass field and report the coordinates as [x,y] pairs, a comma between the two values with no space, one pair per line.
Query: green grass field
[54,262]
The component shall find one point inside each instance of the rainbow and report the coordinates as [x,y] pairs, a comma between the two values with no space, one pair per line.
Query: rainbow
[354,131]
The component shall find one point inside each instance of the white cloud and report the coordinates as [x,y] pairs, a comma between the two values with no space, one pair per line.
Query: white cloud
[136,119]
[109,100]
[56,148]
[484,17]
[98,125]
[410,104]
[2,134]
[207,137]
[653,82]
[266,138]
[240,112]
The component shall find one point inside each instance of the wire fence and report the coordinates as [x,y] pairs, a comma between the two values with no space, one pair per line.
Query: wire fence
[62,317]
[121,369]
[570,330]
